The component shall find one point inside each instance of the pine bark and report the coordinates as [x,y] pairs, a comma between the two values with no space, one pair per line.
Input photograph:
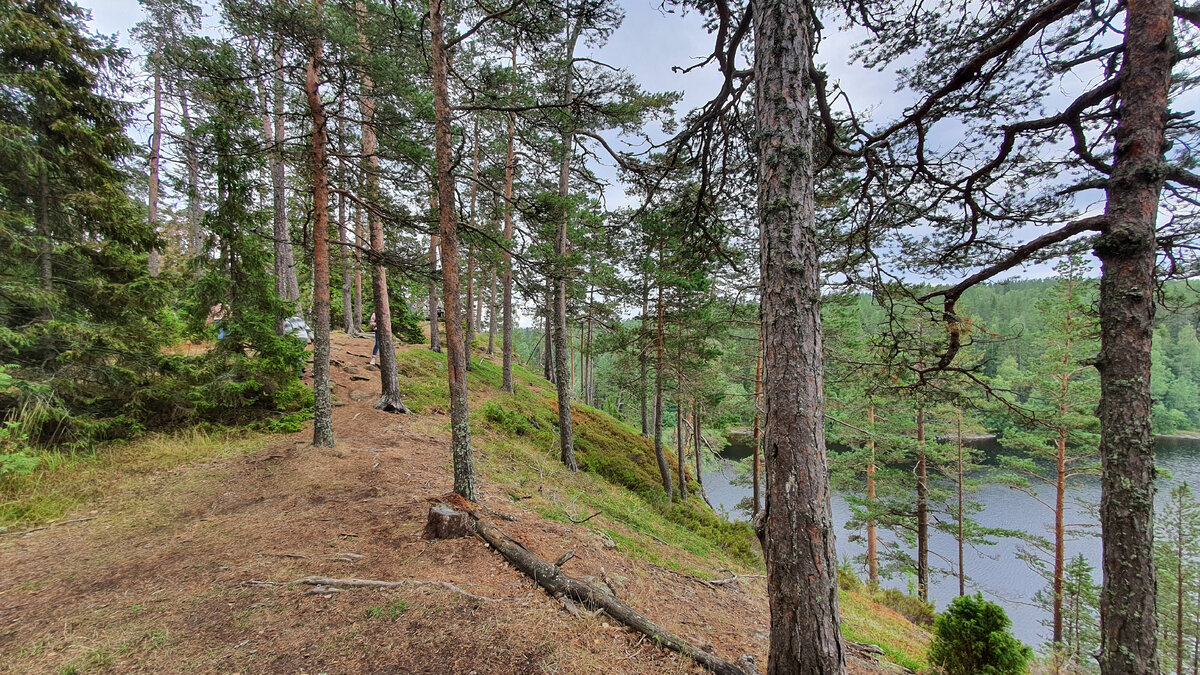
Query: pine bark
[680,444]
[756,481]
[472,322]
[872,534]
[962,573]
[192,160]
[548,356]
[287,284]
[435,336]
[154,262]
[922,473]
[491,348]
[664,469]
[643,359]
[460,429]
[1129,640]
[344,234]
[389,399]
[322,403]
[506,347]
[562,350]
[357,316]
[797,531]
[45,232]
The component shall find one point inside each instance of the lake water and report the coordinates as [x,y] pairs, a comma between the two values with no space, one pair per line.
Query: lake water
[994,570]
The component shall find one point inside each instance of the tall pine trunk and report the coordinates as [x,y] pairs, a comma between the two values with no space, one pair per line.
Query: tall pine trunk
[1128,620]
[663,468]
[506,346]
[562,350]
[45,232]
[344,233]
[922,473]
[460,428]
[287,284]
[563,363]
[643,359]
[435,336]
[322,403]
[548,357]
[680,441]
[472,322]
[872,534]
[356,315]
[961,534]
[1179,583]
[154,262]
[797,532]
[756,493]
[389,399]
[491,348]
[192,161]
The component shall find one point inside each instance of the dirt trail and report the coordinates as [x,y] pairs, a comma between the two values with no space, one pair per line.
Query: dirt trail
[156,582]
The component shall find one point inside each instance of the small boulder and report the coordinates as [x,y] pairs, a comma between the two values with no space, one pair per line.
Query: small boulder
[446,523]
[359,378]
[359,395]
[351,370]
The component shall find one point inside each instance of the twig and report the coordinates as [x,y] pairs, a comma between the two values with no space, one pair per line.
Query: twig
[580,522]
[46,527]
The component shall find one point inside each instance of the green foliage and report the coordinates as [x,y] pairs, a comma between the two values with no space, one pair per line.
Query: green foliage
[510,420]
[406,325]
[972,637]
[391,611]
[910,607]
[80,334]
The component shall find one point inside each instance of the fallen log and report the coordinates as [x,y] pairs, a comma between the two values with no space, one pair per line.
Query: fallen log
[557,583]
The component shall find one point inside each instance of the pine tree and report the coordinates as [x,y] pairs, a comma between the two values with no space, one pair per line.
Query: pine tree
[1063,391]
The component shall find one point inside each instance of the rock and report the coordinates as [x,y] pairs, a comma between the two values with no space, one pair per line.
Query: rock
[359,395]
[350,369]
[747,664]
[372,368]
[359,378]
[446,523]
[606,541]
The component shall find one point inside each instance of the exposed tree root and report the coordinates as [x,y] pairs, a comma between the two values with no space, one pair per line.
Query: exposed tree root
[332,583]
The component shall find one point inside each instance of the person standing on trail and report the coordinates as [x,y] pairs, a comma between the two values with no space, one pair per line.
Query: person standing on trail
[375,350]
[217,314]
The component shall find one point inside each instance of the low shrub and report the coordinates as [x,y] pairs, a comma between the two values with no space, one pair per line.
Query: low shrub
[972,637]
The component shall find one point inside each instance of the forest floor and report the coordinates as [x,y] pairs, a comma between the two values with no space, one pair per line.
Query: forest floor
[153,572]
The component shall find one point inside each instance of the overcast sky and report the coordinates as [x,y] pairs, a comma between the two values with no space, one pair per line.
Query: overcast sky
[649,43]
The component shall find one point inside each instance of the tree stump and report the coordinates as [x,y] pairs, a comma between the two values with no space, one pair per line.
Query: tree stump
[446,523]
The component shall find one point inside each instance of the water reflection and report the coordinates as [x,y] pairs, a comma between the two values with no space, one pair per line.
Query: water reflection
[995,570]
